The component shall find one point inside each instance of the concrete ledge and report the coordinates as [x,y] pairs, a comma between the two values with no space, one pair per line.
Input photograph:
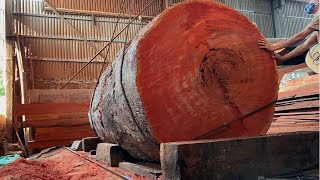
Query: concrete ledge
[242,158]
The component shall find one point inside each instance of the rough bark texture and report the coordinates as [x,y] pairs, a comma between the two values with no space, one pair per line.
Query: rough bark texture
[194,68]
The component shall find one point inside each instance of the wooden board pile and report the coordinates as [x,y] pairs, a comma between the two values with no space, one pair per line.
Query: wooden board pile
[54,117]
[297,108]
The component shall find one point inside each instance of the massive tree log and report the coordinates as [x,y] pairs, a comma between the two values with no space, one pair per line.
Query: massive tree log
[194,72]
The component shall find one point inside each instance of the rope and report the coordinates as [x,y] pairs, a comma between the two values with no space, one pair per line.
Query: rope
[242,118]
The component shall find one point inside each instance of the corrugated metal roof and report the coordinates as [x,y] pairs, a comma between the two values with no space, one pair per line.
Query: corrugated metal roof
[258,11]
[295,17]
[109,5]
[57,50]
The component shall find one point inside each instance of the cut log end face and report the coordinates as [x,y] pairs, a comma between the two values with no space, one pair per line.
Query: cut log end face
[224,75]
[192,70]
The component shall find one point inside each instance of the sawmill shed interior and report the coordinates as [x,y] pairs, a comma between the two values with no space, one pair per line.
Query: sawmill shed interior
[158,89]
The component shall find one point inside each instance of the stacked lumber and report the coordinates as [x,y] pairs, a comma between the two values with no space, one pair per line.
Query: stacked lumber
[298,108]
[52,120]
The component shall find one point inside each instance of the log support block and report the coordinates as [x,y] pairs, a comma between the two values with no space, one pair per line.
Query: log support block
[77,145]
[242,158]
[90,143]
[141,170]
[111,154]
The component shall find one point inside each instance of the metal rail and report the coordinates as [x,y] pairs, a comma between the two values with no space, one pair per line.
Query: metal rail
[94,162]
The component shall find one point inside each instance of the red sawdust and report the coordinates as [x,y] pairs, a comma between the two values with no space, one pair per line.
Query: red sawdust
[59,164]
[24,169]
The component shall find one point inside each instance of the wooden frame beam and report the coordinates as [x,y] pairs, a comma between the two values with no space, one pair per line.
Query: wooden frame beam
[10,75]
[95,13]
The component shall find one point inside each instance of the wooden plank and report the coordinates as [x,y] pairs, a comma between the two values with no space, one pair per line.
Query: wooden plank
[64,136]
[297,106]
[166,3]
[55,123]
[38,109]
[240,158]
[316,117]
[57,116]
[293,127]
[305,91]
[22,74]
[95,13]
[48,144]
[59,95]
[298,113]
[283,71]
[301,83]
[56,130]
[10,70]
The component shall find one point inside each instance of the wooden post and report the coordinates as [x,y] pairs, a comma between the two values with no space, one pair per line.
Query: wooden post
[166,3]
[27,132]
[22,73]
[9,70]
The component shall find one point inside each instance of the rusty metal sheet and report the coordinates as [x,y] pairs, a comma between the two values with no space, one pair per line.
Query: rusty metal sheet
[109,6]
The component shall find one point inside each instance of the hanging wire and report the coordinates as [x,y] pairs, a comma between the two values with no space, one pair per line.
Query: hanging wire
[242,118]
[121,66]
[106,45]
[121,11]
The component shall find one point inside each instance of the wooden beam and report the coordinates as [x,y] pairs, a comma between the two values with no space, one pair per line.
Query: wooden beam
[52,108]
[60,95]
[31,75]
[55,130]
[305,91]
[240,158]
[64,136]
[57,116]
[166,3]
[95,13]
[301,83]
[22,73]
[283,71]
[278,19]
[48,144]
[10,64]
[55,122]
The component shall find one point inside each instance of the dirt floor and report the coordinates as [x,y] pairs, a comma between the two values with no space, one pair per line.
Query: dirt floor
[60,164]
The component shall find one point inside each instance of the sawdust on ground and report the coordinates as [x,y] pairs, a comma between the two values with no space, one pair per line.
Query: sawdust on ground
[59,164]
